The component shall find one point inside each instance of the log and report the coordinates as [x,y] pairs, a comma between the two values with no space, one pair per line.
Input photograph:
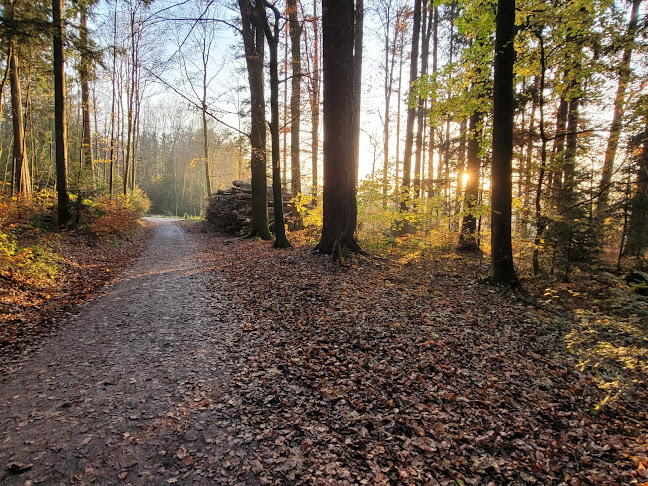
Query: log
[229,210]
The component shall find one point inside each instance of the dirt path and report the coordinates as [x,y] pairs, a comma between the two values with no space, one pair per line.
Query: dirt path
[100,402]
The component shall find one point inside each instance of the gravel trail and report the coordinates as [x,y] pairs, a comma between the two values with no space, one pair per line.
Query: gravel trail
[103,401]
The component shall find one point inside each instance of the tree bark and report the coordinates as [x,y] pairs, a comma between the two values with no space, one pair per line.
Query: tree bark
[426,30]
[59,113]
[254,42]
[340,209]
[273,45]
[502,270]
[19,158]
[411,110]
[435,51]
[617,119]
[315,105]
[84,75]
[398,113]
[540,223]
[637,235]
[468,233]
[112,110]
[357,82]
[295,97]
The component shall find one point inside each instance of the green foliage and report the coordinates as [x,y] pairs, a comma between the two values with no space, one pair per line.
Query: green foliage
[34,260]
[381,223]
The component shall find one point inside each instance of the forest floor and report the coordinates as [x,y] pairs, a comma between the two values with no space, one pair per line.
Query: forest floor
[216,360]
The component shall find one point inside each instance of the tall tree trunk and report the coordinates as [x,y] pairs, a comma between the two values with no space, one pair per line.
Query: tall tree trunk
[558,150]
[340,209]
[357,82]
[388,88]
[637,235]
[411,110]
[19,157]
[84,75]
[426,31]
[540,223]
[3,83]
[295,97]
[617,119]
[461,164]
[528,160]
[502,270]
[315,104]
[398,112]
[273,45]
[59,113]
[205,128]
[435,51]
[112,109]
[206,151]
[136,121]
[254,42]
[571,148]
[284,176]
[468,233]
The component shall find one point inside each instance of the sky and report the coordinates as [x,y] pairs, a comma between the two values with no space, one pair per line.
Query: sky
[170,24]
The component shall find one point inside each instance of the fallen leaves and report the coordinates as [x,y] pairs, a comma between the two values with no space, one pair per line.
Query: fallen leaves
[28,312]
[404,374]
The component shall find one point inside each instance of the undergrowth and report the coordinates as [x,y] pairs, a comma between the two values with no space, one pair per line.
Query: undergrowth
[29,250]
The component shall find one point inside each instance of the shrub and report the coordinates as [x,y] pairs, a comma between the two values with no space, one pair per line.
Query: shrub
[36,263]
[118,216]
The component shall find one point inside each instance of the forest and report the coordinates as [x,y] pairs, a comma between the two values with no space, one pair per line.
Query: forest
[417,230]
[158,99]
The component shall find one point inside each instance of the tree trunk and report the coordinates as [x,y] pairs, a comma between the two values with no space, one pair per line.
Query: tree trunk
[468,233]
[528,160]
[284,176]
[205,82]
[617,119]
[19,157]
[84,75]
[340,209]
[59,113]
[398,113]
[206,149]
[295,98]
[315,105]
[502,270]
[254,42]
[558,150]
[461,164]
[112,110]
[357,83]
[637,235]
[435,51]
[411,110]
[571,148]
[389,81]
[426,30]
[273,44]
[540,223]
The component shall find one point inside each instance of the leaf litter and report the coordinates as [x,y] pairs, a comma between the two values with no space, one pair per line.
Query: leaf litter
[281,367]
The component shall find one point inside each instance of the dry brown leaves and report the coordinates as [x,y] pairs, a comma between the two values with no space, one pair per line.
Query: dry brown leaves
[30,310]
[389,373]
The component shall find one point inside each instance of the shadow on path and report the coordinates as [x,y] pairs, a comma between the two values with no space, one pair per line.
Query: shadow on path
[93,403]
